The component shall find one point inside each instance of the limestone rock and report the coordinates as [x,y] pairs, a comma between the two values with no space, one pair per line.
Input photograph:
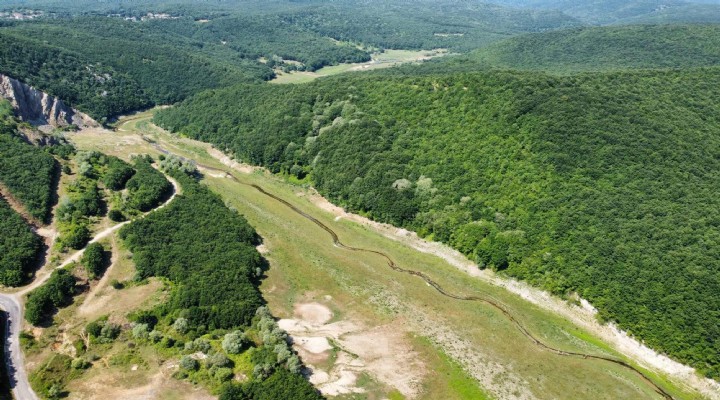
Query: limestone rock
[40,108]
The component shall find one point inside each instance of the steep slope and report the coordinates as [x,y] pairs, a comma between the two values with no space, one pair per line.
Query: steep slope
[40,108]
[573,183]
[93,88]
[26,171]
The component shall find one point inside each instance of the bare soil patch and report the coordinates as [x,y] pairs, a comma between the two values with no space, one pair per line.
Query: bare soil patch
[381,352]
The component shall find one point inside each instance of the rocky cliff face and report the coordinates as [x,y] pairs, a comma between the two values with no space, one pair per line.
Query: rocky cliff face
[39,108]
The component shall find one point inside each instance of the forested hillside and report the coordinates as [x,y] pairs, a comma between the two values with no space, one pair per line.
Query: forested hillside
[26,171]
[107,59]
[96,89]
[425,24]
[627,11]
[211,258]
[167,67]
[602,184]
[19,245]
[597,49]
[206,251]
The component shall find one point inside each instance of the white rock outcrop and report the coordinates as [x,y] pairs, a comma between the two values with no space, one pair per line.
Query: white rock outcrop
[40,108]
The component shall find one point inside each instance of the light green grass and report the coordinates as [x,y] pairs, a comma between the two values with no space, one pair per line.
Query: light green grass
[386,59]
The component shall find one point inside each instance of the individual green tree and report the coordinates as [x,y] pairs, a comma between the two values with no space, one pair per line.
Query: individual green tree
[94,260]
[181,325]
[234,342]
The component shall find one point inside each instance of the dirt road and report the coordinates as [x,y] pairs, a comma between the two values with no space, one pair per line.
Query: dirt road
[13,306]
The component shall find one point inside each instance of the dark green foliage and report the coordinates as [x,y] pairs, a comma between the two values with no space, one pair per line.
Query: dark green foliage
[56,292]
[27,171]
[628,11]
[148,187]
[75,235]
[94,328]
[282,384]
[423,24]
[601,184]
[270,35]
[102,331]
[94,259]
[87,85]
[145,317]
[207,251]
[167,66]
[597,49]
[117,174]
[116,216]
[19,246]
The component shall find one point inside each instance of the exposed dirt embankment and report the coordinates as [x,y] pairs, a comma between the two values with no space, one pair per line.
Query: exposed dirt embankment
[40,108]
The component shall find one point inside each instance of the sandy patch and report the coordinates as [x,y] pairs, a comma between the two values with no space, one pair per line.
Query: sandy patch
[227,161]
[262,249]
[212,173]
[313,313]
[317,345]
[381,352]
[129,385]
[119,301]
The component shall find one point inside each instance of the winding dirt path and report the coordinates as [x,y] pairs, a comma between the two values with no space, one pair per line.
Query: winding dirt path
[13,305]
[484,299]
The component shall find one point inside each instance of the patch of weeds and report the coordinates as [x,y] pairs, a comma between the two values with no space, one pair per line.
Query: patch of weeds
[50,379]
[128,358]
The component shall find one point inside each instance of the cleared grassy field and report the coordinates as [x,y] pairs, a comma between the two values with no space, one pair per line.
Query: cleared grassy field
[386,59]
[456,349]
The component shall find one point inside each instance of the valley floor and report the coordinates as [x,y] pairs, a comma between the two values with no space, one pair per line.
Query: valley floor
[367,331]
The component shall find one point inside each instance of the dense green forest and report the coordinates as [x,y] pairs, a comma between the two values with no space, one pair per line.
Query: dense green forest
[56,292]
[457,25]
[601,184]
[627,11]
[166,66]
[269,36]
[147,188]
[597,49]
[19,246]
[27,171]
[94,88]
[107,65]
[207,253]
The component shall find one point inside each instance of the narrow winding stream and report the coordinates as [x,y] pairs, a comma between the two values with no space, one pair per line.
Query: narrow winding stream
[485,299]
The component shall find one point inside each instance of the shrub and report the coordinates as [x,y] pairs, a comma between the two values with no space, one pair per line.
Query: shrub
[116,216]
[141,331]
[188,363]
[94,260]
[181,325]
[234,342]
[80,363]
